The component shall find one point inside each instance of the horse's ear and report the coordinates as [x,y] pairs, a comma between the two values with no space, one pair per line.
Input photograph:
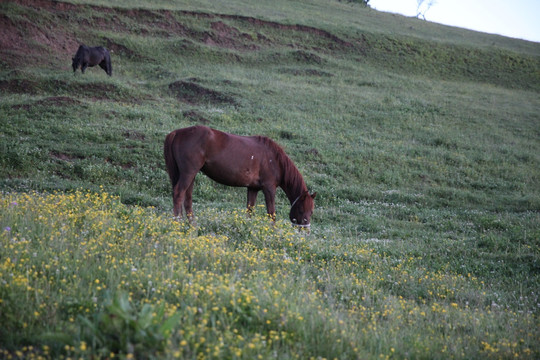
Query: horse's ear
[313,195]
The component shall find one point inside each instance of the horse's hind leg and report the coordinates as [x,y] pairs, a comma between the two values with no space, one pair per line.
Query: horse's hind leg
[179,196]
[109,65]
[188,201]
[178,200]
[182,196]
[103,65]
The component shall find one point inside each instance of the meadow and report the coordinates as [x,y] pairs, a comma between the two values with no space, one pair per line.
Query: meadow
[421,141]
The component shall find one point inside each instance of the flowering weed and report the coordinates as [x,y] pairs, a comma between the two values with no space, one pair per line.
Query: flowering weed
[83,275]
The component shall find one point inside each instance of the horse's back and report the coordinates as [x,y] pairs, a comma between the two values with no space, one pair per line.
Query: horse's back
[209,143]
[189,141]
[101,50]
[195,133]
[98,52]
[82,51]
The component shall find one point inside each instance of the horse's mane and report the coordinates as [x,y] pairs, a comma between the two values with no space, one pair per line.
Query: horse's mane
[292,181]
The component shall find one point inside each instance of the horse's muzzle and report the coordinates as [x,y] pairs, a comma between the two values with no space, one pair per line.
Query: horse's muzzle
[306,228]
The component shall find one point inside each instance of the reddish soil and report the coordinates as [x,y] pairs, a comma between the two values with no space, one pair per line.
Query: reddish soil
[22,42]
[226,36]
[54,42]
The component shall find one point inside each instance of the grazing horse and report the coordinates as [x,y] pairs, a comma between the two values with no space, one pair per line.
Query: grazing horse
[92,56]
[255,162]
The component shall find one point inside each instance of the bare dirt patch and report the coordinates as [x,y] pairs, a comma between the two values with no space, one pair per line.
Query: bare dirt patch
[18,86]
[227,36]
[195,117]
[306,72]
[193,93]
[95,91]
[91,91]
[64,157]
[307,57]
[134,135]
[58,101]
[23,42]
[116,48]
[301,28]
[228,31]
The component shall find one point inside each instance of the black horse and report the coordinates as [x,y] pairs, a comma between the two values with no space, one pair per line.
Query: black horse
[91,56]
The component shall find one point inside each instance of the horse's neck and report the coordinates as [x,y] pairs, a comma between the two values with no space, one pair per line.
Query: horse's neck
[292,181]
[293,186]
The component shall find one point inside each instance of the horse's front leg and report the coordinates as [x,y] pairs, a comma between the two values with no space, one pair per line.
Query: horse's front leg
[270,198]
[83,67]
[106,66]
[251,199]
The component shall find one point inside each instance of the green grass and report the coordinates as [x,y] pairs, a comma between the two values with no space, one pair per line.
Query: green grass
[420,140]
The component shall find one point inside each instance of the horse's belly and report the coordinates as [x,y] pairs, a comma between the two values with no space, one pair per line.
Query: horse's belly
[232,175]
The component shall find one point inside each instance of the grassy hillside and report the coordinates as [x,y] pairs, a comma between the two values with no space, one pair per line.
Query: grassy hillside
[422,142]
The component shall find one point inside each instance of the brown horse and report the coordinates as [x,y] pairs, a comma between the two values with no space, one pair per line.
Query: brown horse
[255,162]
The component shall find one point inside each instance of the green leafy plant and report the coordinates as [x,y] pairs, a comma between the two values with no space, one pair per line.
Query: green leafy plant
[119,328]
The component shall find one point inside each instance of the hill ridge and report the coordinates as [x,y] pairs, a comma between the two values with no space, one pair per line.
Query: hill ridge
[58,34]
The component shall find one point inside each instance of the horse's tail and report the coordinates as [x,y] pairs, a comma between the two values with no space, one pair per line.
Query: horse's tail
[108,62]
[170,162]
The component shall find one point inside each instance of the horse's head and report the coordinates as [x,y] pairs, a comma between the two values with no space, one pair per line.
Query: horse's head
[75,63]
[301,210]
